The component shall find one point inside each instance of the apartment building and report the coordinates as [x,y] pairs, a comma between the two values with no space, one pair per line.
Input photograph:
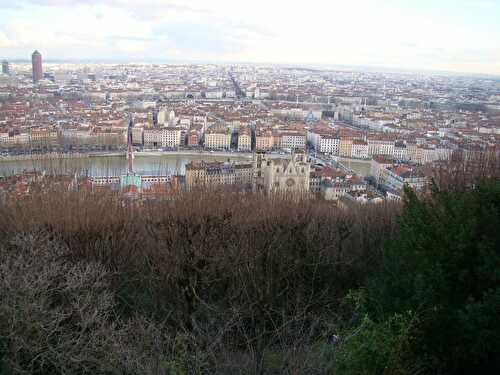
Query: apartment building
[293,141]
[395,178]
[359,149]
[244,140]
[324,142]
[345,147]
[217,138]
[263,141]
[212,174]
[162,137]
[380,147]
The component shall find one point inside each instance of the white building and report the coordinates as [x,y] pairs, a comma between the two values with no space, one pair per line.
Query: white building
[293,141]
[380,147]
[218,139]
[324,143]
[163,137]
[359,149]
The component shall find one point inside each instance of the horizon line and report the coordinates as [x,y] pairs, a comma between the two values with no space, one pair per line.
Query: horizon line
[304,65]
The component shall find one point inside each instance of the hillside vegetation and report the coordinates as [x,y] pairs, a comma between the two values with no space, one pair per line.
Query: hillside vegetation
[231,283]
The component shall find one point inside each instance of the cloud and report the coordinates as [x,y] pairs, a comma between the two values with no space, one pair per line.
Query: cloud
[335,32]
[141,9]
[4,41]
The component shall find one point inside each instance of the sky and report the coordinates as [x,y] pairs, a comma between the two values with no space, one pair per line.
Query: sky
[444,35]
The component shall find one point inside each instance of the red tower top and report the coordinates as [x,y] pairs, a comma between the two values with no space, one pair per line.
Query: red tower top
[36,63]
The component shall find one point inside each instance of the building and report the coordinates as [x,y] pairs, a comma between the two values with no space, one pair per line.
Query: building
[345,147]
[193,138]
[162,137]
[244,140]
[36,64]
[43,135]
[334,190]
[213,174]
[324,143]
[400,152]
[137,136]
[378,164]
[5,67]
[217,138]
[282,175]
[395,178]
[293,141]
[263,140]
[324,173]
[380,147]
[359,149]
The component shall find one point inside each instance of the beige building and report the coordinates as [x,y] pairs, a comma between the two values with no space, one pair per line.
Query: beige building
[244,140]
[211,174]
[43,135]
[345,147]
[264,141]
[282,175]
[218,138]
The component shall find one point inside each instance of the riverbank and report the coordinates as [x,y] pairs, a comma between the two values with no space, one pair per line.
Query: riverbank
[48,156]
[194,153]
[58,156]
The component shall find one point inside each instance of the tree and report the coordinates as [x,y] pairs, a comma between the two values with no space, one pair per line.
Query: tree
[443,267]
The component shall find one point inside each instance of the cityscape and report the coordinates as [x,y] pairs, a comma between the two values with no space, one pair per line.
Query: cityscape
[249,187]
[364,136]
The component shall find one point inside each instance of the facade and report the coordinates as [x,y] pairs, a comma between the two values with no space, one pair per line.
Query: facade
[345,147]
[43,135]
[324,143]
[137,136]
[334,190]
[396,178]
[244,141]
[216,139]
[400,152]
[293,141]
[36,64]
[5,67]
[378,164]
[282,175]
[213,174]
[162,137]
[359,149]
[380,147]
[193,139]
[263,141]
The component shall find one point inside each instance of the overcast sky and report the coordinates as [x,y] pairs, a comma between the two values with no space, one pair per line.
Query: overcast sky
[452,35]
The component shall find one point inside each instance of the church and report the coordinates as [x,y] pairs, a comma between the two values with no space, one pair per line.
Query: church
[288,174]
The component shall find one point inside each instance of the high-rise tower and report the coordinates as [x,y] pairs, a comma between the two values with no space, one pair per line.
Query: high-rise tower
[36,63]
[5,67]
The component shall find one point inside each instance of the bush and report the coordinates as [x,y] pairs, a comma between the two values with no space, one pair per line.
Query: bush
[442,266]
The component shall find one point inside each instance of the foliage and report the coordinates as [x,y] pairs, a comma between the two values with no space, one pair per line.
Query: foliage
[443,267]
[231,283]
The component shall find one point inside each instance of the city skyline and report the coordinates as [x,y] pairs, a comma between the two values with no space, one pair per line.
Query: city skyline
[460,37]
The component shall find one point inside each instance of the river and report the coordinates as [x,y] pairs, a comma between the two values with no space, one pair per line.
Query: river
[110,165]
